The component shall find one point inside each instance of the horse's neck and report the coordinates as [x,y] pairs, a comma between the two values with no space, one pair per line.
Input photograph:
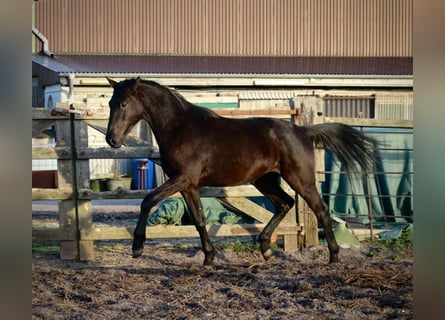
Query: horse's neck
[163,111]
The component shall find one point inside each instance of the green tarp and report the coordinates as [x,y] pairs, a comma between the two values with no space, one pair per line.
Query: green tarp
[390,188]
[171,211]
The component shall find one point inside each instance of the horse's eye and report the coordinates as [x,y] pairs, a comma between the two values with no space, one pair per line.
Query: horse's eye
[123,105]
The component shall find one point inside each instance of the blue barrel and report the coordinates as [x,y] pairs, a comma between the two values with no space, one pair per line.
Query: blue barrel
[142,171]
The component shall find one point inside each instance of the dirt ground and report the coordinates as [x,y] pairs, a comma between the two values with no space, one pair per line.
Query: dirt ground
[169,282]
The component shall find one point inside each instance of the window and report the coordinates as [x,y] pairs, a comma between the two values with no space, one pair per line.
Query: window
[349,106]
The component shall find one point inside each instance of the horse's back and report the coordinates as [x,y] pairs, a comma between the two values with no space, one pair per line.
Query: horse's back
[238,151]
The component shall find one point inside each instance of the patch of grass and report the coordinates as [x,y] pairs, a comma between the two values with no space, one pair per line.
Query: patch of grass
[395,248]
[111,247]
[46,247]
[239,247]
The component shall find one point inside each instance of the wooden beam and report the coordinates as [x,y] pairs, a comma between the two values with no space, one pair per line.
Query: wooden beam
[215,192]
[48,114]
[250,208]
[52,194]
[122,153]
[51,234]
[84,153]
[362,122]
[52,153]
[189,231]
[256,112]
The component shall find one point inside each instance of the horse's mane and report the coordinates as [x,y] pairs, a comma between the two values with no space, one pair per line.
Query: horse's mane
[183,103]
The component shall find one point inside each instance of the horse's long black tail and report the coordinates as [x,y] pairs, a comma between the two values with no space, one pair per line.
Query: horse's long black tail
[354,149]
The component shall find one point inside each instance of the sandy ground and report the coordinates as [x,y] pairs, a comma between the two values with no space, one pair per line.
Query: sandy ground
[169,281]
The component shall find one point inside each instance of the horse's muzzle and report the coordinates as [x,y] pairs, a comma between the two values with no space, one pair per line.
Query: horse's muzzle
[114,143]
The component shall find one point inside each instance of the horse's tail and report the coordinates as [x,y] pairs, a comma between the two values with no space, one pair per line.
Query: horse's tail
[354,149]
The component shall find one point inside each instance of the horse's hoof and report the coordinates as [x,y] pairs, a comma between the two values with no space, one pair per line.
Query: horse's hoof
[334,260]
[208,260]
[208,266]
[267,254]
[137,252]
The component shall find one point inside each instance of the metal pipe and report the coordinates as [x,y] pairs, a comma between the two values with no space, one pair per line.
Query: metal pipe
[71,78]
[44,41]
[368,191]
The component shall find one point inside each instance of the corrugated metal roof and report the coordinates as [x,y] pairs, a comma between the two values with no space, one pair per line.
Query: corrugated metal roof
[227,65]
[228,27]
[53,64]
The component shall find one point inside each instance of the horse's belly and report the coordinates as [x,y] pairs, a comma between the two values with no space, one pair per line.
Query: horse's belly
[232,173]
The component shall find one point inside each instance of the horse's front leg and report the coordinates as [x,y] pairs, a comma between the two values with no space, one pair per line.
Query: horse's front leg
[170,187]
[192,198]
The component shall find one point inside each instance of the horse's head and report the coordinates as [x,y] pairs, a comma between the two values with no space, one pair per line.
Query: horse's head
[126,109]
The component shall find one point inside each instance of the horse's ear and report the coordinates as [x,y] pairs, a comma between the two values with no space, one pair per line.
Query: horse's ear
[111,82]
[137,81]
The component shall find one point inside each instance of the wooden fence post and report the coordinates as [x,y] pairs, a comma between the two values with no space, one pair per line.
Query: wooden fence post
[82,180]
[67,212]
[290,241]
[74,214]
[311,112]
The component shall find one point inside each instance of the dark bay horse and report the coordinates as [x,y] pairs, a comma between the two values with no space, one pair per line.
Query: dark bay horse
[199,148]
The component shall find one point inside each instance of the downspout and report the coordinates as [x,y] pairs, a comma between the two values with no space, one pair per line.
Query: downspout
[71,77]
[44,41]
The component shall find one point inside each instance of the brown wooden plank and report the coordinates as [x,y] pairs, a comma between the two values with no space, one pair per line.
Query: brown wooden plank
[311,113]
[47,114]
[362,122]
[255,112]
[189,231]
[250,208]
[67,213]
[84,208]
[52,194]
[51,234]
[121,153]
[51,153]
[95,153]
[217,192]
[309,221]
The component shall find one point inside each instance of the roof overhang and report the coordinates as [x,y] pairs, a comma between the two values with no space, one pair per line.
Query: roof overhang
[256,80]
[233,71]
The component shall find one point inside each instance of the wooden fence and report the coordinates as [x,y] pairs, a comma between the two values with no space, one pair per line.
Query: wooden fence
[76,231]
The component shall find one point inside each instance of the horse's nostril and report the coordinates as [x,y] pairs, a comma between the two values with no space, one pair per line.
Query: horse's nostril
[113,142]
[110,141]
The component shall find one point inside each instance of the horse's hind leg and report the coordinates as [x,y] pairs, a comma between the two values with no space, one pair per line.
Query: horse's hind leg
[269,186]
[191,197]
[308,191]
[313,199]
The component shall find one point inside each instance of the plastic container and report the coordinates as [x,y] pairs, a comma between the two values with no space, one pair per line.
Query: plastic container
[142,171]
[114,184]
